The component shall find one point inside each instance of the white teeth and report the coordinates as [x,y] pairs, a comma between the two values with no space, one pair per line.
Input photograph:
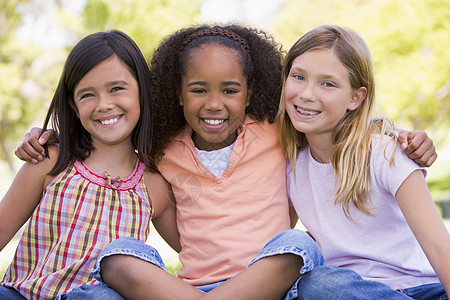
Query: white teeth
[214,122]
[307,112]
[111,121]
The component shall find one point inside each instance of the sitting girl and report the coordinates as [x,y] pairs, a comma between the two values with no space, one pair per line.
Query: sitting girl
[363,200]
[94,187]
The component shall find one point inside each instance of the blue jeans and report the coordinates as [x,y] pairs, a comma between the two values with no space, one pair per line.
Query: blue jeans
[291,241]
[7,293]
[97,291]
[326,282]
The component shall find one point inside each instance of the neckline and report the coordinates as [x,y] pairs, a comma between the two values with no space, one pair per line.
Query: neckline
[311,158]
[105,181]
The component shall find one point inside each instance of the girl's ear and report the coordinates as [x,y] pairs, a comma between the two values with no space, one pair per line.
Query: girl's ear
[358,97]
[74,107]
[180,99]
[249,95]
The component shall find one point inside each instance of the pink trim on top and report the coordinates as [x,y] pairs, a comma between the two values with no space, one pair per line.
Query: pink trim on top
[121,184]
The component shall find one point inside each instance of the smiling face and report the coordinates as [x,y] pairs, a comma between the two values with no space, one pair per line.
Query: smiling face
[214,95]
[318,93]
[107,102]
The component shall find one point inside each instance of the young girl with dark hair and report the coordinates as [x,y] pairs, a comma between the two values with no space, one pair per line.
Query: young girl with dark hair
[94,187]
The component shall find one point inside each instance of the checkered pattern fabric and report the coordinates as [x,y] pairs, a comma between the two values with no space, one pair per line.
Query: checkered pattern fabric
[79,214]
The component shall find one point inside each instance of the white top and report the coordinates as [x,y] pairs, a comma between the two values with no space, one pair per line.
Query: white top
[380,247]
[215,161]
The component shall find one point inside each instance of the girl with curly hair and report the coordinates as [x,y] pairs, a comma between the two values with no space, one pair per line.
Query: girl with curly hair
[216,92]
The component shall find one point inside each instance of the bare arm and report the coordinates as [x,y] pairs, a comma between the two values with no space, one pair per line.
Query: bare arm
[425,222]
[293,216]
[164,218]
[31,149]
[22,197]
[418,146]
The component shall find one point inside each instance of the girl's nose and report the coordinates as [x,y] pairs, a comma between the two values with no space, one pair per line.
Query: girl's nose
[307,93]
[104,103]
[214,102]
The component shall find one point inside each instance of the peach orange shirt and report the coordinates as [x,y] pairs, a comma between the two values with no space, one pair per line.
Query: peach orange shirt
[224,222]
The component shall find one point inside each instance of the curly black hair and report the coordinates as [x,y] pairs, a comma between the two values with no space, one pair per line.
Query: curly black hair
[262,64]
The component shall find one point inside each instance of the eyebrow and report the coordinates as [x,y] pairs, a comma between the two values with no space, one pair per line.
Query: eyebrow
[326,75]
[108,84]
[222,83]
[196,83]
[231,83]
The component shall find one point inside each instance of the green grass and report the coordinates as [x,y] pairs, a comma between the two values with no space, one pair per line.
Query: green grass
[440,187]
[173,266]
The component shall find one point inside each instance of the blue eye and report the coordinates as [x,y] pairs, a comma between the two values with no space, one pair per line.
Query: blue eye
[298,77]
[329,84]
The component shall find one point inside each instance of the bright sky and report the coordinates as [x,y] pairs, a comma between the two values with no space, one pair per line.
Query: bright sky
[254,12]
[45,31]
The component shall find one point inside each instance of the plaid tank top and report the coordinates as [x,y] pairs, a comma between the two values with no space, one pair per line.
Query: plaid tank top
[80,213]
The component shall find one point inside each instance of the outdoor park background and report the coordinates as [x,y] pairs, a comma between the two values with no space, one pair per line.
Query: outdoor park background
[409,40]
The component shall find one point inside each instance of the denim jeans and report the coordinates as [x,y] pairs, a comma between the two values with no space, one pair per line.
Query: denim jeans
[97,291]
[91,292]
[7,293]
[291,241]
[327,282]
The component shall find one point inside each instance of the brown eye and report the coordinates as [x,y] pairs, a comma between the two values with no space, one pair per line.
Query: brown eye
[87,95]
[229,91]
[116,89]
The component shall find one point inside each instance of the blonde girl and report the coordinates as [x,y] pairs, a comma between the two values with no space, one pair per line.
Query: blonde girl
[366,204]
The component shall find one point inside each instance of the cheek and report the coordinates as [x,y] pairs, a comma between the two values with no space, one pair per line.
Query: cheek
[84,111]
[288,91]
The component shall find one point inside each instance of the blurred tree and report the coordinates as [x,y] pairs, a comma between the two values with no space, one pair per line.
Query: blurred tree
[21,84]
[147,22]
[409,40]
[30,73]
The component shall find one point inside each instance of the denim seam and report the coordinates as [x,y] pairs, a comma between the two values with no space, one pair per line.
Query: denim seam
[308,264]
[137,254]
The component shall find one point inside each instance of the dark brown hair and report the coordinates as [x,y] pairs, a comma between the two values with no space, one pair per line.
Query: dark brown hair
[75,141]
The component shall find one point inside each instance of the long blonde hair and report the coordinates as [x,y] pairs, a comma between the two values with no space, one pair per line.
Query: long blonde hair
[352,136]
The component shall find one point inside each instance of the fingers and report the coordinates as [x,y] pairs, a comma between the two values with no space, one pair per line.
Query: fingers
[48,137]
[403,140]
[419,147]
[428,162]
[30,149]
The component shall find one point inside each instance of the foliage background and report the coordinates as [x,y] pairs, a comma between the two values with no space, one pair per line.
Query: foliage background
[409,40]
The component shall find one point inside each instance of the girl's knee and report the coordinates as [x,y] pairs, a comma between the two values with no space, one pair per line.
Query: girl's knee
[115,267]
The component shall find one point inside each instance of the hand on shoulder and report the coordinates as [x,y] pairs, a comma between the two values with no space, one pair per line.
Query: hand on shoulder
[31,149]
